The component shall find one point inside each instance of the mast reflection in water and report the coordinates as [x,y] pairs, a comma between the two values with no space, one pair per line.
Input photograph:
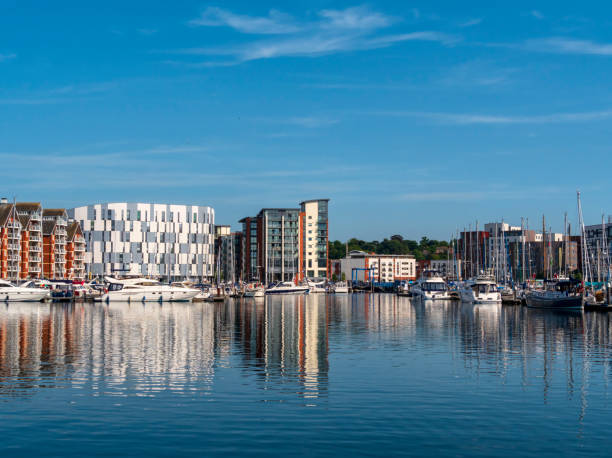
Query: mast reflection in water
[363,374]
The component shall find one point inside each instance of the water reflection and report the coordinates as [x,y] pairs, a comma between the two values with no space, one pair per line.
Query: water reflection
[285,343]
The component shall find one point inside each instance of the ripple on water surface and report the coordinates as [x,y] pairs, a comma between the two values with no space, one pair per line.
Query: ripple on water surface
[303,375]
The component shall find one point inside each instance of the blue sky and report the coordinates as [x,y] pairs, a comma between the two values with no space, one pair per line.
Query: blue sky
[414,117]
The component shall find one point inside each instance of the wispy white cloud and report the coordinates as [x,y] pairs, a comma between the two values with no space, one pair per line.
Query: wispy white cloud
[274,23]
[312,122]
[61,94]
[147,32]
[470,118]
[351,29]
[512,193]
[477,73]
[536,14]
[471,22]
[562,45]
[6,57]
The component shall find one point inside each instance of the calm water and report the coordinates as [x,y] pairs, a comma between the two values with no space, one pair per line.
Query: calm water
[314,375]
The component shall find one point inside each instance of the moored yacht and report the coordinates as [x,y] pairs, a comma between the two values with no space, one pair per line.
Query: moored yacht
[341,287]
[481,290]
[287,287]
[431,286]
[145,290]
[12,293]
[316,285]
[255,290]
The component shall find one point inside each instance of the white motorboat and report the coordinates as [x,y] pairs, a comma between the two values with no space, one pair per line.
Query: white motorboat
[145,290]
[481,290]
[12,293]
[202,295]
[431,286]
[287,287]
[341,288]
[316,285]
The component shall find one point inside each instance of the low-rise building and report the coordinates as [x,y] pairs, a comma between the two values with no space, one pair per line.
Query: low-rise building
[75,252]
[30,216]
[54,224]
[381,268]
[10,237]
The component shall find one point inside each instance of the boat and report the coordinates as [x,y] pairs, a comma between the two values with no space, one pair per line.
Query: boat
[12,293]
[287,287]
[431,286]
[254,291]
[481,290]
[202,295]
[341,287]
[142,289]
[404,289]
[557,295]
[62,291]
[316,285]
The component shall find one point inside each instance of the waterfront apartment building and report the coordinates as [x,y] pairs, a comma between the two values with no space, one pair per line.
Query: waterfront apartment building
[380,268]
[287,243]
[30,218]
[170,242]
[10,237]
[75,252]
[230,257]
[446,267]
[54,225]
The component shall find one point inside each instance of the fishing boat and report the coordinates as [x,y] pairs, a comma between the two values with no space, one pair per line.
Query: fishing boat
[431,286]
[558,295]
[287,287]
[12,293]
[481,290]
[145,290]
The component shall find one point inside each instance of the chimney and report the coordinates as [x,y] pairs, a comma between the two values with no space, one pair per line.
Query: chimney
[4,200]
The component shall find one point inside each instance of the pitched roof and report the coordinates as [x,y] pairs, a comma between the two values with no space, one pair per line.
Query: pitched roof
[24,220]
[74,228]
[28,206]
[54,212]
[5,212]
[48,227]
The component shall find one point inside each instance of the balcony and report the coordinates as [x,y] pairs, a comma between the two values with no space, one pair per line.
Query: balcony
[35,238]
[13,268]
[35,259]
[60,232]
[35,227]
[60,251]
[79,248]
[14,235]
[13,247]
[13,257]
[14,225]
[34,269]
[35,249]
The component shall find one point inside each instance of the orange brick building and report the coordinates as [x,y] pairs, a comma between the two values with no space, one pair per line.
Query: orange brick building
[75,252]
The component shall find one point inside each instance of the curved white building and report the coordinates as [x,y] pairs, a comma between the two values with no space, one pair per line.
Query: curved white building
[168,241]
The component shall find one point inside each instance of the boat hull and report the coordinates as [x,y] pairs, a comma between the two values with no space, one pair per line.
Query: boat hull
[558,303]
[287,291]
[24,296]
[124,296]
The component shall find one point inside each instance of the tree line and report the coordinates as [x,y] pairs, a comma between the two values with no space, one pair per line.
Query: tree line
[425,249]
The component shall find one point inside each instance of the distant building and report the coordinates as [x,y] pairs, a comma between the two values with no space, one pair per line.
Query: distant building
[165,241]
[230,257]
[447,268]
[598,254]
[314,229]
[382,268]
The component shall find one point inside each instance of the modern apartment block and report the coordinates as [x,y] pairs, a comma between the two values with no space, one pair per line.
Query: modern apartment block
[314,225]
[30,217]
[286,243]
[166,241]
[54,224]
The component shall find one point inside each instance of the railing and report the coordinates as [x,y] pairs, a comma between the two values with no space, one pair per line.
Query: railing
[13,268]
[79,249]
[14,225]
[13,246]
[35,259]
[14,236]
[34,269]
[35,228]
[35,249]
[60,251]
[60,232]
[13,257]
[35,238]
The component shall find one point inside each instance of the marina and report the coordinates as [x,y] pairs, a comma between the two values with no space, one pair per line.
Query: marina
[358,373]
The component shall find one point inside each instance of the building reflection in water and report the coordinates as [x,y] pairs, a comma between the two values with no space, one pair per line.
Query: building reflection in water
[285,342]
